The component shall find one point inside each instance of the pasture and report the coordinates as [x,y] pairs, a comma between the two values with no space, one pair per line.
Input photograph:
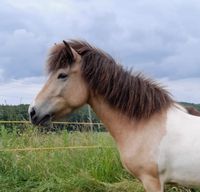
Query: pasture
[64,170]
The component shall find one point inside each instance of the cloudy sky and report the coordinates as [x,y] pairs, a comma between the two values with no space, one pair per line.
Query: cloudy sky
[161,38]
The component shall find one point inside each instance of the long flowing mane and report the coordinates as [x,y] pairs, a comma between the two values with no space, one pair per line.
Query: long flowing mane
[133,94]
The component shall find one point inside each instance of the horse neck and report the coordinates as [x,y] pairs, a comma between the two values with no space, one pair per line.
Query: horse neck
[122,128]
[116,123]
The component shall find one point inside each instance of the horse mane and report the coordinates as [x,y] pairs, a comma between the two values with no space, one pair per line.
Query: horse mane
[192,111]
[132,94]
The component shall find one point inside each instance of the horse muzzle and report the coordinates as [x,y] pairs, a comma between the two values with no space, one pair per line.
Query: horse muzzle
[38,119]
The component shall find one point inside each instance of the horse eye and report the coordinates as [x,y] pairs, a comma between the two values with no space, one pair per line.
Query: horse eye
[62,76]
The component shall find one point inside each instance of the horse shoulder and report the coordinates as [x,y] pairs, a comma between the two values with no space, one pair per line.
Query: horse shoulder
[139,155]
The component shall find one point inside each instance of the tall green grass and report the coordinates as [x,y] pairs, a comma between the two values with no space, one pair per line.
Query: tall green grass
[76,170]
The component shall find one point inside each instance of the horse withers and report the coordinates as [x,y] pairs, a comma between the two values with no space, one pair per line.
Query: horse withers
[158,140]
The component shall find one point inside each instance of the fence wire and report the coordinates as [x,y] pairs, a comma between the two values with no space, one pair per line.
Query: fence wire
[71,126]
[55,126]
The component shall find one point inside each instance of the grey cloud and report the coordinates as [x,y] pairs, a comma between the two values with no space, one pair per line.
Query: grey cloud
[161,38]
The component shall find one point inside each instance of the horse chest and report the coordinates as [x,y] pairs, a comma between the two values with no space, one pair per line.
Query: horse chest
[140,157]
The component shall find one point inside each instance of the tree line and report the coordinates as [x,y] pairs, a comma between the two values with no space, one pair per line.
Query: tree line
[11,113]
[20,113]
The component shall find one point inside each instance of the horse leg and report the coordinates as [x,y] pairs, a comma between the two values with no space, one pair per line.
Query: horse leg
[152,184]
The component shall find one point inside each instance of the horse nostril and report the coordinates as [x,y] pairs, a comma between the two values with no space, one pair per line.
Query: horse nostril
[32,113]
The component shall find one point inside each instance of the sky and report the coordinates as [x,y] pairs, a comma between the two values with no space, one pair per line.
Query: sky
[160,38]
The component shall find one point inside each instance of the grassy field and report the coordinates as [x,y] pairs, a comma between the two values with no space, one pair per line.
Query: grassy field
[68,170]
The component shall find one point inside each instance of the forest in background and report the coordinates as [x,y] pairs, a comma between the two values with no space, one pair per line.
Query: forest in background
[20,113]
[10,113]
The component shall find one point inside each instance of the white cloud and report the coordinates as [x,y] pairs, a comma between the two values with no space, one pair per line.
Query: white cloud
[187,90]
[20,91]
[24,90]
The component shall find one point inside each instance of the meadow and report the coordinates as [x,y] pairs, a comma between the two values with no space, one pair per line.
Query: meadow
[64,170]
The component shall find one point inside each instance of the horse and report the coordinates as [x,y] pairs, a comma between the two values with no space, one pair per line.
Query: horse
[158,140]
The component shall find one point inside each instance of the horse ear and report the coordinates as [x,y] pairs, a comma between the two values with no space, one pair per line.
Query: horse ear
[68,52]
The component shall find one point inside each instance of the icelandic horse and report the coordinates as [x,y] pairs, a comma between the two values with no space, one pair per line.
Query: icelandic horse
[158,140]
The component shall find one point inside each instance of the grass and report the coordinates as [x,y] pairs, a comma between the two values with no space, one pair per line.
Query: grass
[72,170]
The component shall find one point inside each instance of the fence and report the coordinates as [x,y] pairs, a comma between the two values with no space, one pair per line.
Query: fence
[84,127]
[55,126]
[53,148]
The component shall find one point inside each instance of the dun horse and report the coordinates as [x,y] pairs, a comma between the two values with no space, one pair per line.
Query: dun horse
[158,140]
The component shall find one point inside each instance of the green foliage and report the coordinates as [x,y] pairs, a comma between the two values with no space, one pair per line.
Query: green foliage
[20,113]
[13,112]
[76,170]
[67,170]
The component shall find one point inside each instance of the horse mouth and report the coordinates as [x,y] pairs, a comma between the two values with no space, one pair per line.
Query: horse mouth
[46,120]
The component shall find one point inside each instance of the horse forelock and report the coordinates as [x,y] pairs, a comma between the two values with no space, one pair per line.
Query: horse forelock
[133,94]
[56,59]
